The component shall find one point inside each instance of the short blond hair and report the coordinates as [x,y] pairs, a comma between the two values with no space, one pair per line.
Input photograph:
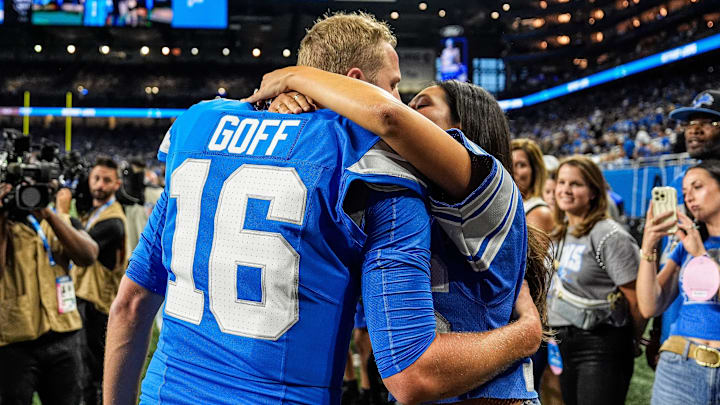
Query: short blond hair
[342,41]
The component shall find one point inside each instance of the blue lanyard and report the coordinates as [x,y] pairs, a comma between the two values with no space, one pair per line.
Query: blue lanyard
[42,236]
[97,213]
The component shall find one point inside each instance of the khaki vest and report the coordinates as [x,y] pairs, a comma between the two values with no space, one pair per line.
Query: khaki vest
[96,283]
[28,294]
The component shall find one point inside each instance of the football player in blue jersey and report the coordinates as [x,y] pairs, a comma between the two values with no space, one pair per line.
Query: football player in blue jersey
[257,251]
[487,226]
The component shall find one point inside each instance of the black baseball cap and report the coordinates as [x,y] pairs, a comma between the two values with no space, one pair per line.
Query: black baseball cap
[707,102]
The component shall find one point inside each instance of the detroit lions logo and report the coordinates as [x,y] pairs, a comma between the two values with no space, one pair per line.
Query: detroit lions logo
[704,99]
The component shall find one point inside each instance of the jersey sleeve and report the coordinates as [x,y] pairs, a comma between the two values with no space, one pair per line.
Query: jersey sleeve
[146,267]
[479,225]
[380,169]
[164,148]
[396,279]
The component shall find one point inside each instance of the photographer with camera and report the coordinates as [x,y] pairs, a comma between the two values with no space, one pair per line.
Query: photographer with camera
[39,342]
[97,283]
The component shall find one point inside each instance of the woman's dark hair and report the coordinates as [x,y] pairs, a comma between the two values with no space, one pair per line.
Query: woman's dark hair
[484,122]
[712,166]
[481,118]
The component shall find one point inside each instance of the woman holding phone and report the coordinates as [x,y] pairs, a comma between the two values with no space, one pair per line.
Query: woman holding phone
[687,370]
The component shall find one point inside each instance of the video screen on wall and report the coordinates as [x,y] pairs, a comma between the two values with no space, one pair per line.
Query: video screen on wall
[453,60]
[2,11]
[210,14]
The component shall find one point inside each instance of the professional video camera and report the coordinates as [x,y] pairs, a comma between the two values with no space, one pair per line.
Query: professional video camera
[76,171]
[132,190]
[31,178]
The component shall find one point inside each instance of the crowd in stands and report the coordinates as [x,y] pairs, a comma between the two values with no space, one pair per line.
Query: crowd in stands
[613,51]
[627,120]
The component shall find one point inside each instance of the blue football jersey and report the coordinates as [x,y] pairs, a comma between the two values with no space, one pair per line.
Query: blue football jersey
[479,249]
[254,252]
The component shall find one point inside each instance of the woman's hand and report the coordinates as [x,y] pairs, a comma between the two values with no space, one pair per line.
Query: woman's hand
[655,228]
[273,84]
[292,103]
[689,235]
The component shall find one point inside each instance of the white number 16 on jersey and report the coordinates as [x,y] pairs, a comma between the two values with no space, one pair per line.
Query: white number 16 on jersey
[233,246]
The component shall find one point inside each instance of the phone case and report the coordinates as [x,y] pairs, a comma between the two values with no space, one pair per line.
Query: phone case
[664,200]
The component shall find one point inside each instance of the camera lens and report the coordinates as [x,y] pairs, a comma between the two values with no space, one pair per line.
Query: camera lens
[30,197]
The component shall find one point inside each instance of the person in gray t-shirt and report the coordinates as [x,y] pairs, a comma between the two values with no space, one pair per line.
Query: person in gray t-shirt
[579,264]
[592,302]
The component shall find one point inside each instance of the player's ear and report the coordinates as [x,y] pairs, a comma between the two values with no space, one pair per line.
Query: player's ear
[356,73]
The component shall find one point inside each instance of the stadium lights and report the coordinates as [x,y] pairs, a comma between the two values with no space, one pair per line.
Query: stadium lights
[148,90]
[38,48]
[543,4]
[710,24]
[494,15]
[226,51]
[538,22]
[221,91]
[666,57]
[564,18]
[441,13]
[286,53]
[636,22]
[394,15]
[543,45]
[591,21]
[598,14]
[71,49]
[155,90]
[598,37]
[194,51]
[663,11]
[422,6]
[256,52]
[165,50]
[506,7]
[563,39]
[104,49]
[144,50]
